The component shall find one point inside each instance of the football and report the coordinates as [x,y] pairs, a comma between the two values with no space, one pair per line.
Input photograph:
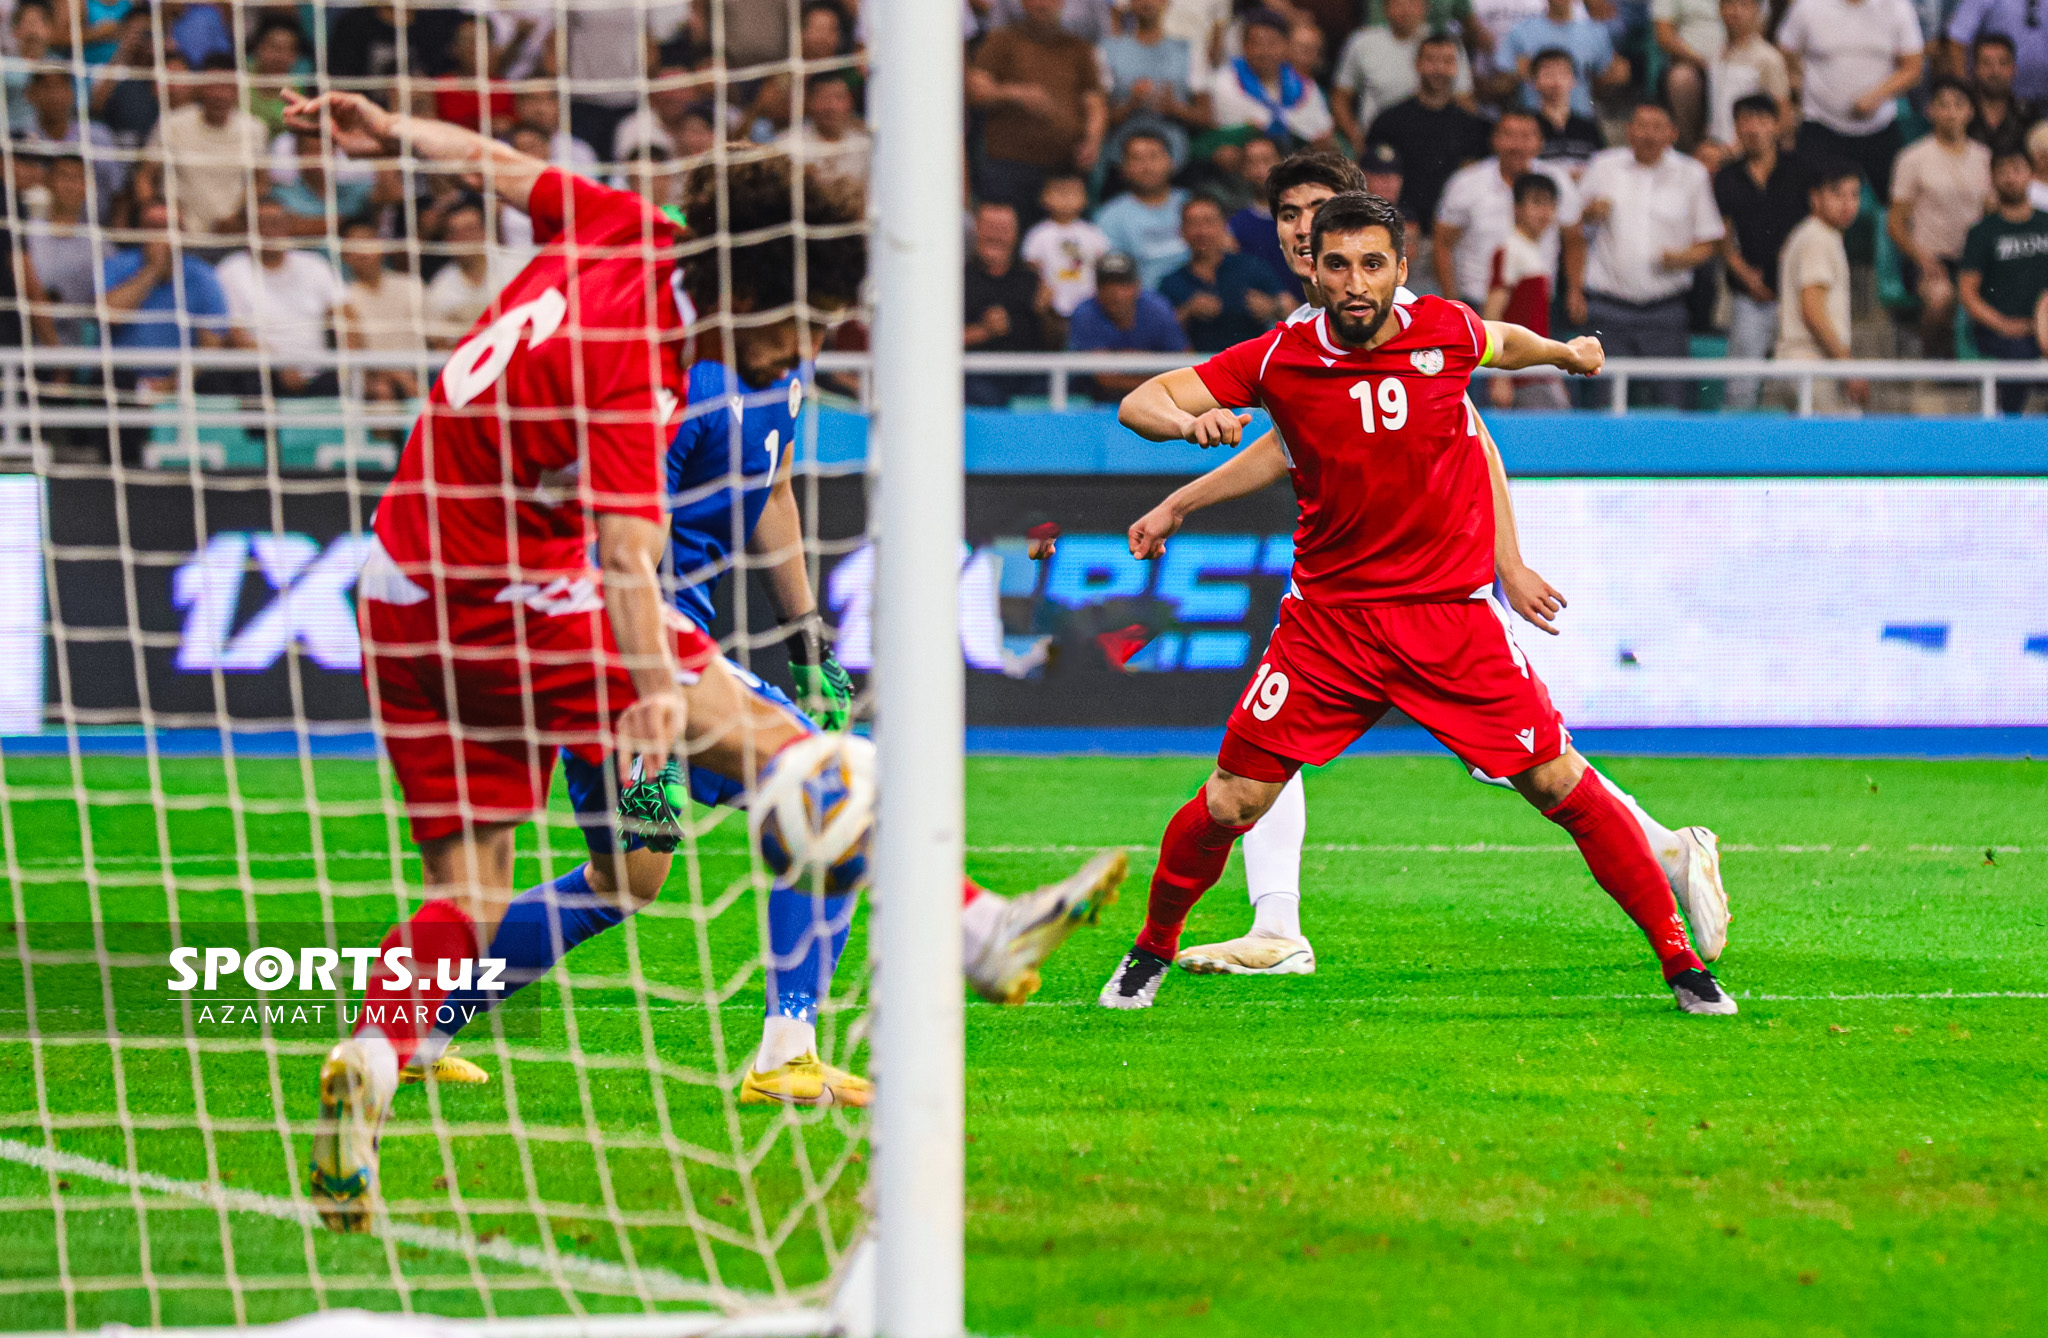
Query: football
[813,811]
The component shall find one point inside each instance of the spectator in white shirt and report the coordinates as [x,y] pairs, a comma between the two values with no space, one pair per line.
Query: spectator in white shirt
[831,140]
[1939,187]
[1690,34]
[1063,247]
[285,300]
[1748,64]
[1260,89]
[673,119]
[1377,69]
[462,289]
[539,109]
[1654,222]
[383,311]
[1477,212]
[1850,60]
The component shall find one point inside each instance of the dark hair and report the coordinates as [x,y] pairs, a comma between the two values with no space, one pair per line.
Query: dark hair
[1548,54]
[1993,39]
[1825,171]
[1339,173]
[1266,18]
[843,78]
[218,62]
[2011,151]
[1756,104]
[703,111]
[759,208]
[1137,135]
[1194,200]
[272,23]
[1355,211]
[26,5]
[829,6]
[1941,83]
[1437,39]
[1650,104]
[467,201]
[1534,183]
[355,221]
[1522,112]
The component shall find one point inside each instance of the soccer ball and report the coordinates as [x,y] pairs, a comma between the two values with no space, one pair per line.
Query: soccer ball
[813,810]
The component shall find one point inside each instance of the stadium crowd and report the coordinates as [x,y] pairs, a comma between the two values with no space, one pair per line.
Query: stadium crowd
[1791,178]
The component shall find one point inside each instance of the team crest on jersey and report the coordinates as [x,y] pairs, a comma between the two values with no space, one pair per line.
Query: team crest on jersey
[1428,361]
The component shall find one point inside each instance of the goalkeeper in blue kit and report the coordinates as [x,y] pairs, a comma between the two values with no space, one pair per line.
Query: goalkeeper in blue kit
[730,492]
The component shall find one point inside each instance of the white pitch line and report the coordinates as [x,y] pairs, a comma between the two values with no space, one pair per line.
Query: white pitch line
[667,1285]
[1932,996]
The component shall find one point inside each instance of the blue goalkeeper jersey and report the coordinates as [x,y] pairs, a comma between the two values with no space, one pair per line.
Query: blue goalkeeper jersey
[719,477]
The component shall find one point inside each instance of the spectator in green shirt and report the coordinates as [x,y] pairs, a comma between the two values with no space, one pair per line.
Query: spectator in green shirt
[2004,281]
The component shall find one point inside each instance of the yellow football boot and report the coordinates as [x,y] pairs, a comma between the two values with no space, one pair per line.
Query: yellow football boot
[445,1069]
[1034,924]
[344,1169]
[805,1081]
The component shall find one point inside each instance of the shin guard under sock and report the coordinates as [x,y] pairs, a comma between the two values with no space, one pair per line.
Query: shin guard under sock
[1192,854]
[1618,854]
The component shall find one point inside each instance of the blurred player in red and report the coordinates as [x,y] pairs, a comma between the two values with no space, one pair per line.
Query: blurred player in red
[491,640]
[1394,564]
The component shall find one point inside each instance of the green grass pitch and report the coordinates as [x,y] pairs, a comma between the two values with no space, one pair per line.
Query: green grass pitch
[1481,1116]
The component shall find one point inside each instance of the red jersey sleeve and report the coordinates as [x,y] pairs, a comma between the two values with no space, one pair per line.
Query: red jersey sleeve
[562,200]
[1233,375]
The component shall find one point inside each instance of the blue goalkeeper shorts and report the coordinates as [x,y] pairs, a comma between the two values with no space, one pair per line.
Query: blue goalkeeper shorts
[594,790]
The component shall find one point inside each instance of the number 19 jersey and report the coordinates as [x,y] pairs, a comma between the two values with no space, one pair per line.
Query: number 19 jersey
[1395,503]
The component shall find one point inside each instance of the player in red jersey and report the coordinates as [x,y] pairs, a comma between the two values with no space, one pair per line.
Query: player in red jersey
[491,640]
[1276,943]
[1394,560]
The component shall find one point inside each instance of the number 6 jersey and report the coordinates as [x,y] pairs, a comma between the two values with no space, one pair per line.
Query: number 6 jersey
[1396,506]
[553,408]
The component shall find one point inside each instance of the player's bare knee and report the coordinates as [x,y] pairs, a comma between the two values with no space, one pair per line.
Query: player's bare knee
[1548,784]
[1239,801]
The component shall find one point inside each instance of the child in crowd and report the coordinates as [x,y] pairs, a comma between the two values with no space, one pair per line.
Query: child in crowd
[1520,291]
[1063,247]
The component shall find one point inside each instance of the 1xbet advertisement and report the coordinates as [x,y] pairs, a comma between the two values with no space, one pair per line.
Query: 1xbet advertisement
[1693,603]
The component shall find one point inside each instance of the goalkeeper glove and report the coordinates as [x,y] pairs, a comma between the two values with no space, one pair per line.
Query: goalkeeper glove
[653,809]
[823,687]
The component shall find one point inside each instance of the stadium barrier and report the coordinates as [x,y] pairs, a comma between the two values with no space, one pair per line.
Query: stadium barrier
[1697,604]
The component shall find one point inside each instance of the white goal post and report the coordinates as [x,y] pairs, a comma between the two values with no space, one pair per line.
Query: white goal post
[918,683]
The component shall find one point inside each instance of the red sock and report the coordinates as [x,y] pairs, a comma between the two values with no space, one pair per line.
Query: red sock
[969,890]
[439,931]
[1192,854]
[1619,855]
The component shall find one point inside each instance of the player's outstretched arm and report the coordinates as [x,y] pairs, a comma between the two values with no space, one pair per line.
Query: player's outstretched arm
[824,688]
[1177,406]
[629,552]
[1517,346]
[362,129]
[1261,465]
[1536,599]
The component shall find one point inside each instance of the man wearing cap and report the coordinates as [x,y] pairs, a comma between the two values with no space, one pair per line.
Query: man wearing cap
[1122,318]
[1384,177]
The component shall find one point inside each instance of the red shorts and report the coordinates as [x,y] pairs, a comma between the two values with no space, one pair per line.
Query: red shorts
[472,715]
[1330,672]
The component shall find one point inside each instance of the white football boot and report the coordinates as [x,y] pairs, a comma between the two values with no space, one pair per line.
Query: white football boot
[344,1170]
[1258,953]
[1700,893]
[1034,924]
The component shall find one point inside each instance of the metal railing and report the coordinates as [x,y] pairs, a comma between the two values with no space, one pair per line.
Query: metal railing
[61,407]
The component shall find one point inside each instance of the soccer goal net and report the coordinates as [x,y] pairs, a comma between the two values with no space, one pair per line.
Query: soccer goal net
[224,329]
